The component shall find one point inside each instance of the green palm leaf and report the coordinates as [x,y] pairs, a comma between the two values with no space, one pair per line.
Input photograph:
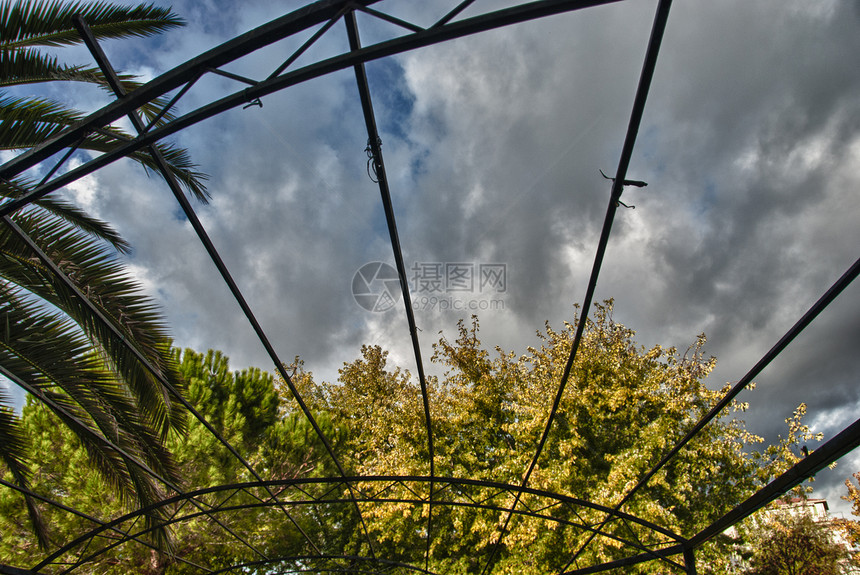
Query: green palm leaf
[69,213]
[26,122]
[29,66]
[39,23]
[91,267]
[40,351]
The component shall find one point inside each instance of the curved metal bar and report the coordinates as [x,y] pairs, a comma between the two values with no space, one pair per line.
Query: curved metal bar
[92,519]
[63,413]
[353,558]
[157,374]
[649,552]
[222,56]
[326,11]
[825,300]
[278,29]
[301,483]
[262,505]
[241,46]
[119,91]
[627,561]
[843,443]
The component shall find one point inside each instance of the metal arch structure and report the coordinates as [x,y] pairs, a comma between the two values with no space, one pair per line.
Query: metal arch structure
[278,500]
[376,490]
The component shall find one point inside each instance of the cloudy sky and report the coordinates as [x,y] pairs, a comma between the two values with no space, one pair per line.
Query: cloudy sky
[750,145]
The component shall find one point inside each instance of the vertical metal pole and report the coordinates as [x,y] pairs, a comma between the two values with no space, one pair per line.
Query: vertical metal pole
[375,147]
[690,560]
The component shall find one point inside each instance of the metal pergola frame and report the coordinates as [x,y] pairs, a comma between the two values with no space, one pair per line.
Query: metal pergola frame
[431,490]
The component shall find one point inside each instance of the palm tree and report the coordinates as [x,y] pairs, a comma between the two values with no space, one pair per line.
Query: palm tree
[75,331]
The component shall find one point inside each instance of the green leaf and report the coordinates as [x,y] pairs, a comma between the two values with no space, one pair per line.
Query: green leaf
[26,122]
[49,23]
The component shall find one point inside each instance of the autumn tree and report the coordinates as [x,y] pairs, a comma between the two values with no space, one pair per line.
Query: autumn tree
[851,527]
[793,543]
[624,407]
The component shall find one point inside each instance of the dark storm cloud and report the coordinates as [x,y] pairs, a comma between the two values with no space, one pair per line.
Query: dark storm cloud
[767,147]
[515,146]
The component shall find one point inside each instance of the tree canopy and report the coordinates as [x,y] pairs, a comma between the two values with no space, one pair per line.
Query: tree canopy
[793,543]
[624,407]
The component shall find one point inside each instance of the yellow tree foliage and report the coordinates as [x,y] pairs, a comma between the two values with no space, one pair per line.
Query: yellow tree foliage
[624,407]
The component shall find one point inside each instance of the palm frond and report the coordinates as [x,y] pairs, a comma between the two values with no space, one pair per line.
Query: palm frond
[23,119]
[67,212]
[27,122]
[108,451]
[76,331]
[49,23]
[80,390]
[119,300]
[31,338]
[29,66]
[13,443]
[180,166]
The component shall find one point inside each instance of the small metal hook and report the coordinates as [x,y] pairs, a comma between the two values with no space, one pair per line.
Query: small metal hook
[637,183]
[371,161]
